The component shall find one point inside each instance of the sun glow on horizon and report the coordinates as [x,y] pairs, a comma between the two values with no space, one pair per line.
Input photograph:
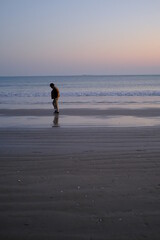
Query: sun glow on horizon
[99,37]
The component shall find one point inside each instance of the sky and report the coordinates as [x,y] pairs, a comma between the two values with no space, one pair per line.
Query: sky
[74,37]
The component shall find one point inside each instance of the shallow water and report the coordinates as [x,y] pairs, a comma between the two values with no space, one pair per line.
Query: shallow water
[77,121]
[91,92]
[80,91]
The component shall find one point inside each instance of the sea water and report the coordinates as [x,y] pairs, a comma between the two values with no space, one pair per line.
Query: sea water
[80,91]
[99,92]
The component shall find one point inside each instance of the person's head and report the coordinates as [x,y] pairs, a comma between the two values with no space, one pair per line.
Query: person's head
[52,85]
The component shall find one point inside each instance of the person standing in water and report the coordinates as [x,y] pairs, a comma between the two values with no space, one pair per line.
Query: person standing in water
[55,95]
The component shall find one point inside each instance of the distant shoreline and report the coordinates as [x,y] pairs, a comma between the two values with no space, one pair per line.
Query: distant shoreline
[83,75]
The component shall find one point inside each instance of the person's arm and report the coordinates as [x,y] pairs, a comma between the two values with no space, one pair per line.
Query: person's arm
[52,94]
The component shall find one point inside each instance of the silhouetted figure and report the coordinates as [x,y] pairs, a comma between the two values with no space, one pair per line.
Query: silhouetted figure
[55,95]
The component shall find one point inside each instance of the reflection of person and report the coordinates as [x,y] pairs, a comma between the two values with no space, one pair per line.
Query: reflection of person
[55,95]
[56,120]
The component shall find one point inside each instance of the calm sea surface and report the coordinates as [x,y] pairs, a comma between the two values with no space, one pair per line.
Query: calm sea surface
[80,91]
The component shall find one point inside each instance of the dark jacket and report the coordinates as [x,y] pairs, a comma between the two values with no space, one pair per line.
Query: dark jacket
[55,93]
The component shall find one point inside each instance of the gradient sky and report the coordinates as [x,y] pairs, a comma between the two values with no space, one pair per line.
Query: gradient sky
[66,37]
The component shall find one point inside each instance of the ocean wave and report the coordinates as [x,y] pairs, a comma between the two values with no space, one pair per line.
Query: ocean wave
[113,93]
[80,94]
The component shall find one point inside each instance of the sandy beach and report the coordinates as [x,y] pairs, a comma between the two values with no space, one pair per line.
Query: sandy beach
[79,120]
[80,183]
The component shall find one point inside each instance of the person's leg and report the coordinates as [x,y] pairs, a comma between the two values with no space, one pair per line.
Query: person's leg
[53,103]
[56,105]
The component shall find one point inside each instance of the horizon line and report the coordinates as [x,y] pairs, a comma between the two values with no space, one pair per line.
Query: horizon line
[82,75]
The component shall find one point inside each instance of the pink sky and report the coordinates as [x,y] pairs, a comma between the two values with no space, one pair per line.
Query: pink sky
[76,37]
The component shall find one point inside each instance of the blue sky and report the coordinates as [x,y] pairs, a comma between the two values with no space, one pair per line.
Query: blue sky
[63,37]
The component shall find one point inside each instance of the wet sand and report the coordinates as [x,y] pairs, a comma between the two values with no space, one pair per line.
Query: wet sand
[80,183]
[142,112]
